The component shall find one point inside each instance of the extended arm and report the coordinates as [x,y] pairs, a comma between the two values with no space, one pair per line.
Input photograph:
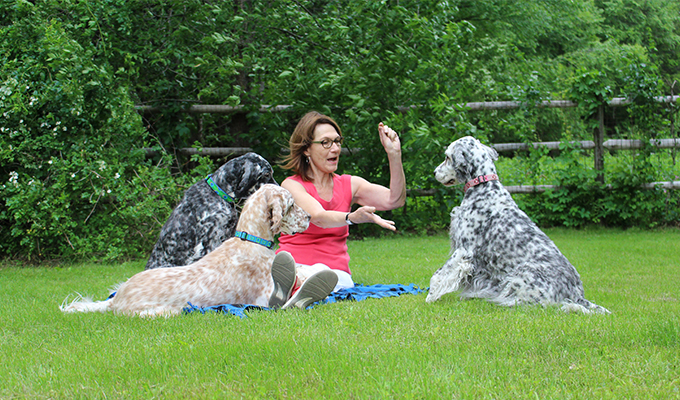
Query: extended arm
[332,219]
[380,197]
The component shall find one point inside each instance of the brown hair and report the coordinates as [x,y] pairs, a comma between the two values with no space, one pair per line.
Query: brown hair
[301,139]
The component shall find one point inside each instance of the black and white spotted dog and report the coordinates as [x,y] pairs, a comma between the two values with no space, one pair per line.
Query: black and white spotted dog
[207,214]
[499,254]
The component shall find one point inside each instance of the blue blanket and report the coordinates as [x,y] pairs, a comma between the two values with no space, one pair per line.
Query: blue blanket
[357,293]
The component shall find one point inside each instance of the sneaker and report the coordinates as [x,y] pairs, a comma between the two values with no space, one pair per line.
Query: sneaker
[316,287]
[283,274]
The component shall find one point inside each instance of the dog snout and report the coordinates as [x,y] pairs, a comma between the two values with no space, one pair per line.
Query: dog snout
[439,174]
[302,218]
[437,171]
[445,174]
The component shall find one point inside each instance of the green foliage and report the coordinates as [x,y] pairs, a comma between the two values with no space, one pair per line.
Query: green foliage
[641,84]
[72,169]
[652,24]
[76,182]
[581,200]
[590,90]
[624,205]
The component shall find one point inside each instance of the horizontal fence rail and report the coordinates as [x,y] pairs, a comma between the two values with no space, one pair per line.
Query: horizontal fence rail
[527,189]
[223,151]
[509,105]
[669,185]
[472,106]
[612,144]
[216,109]
[205,151]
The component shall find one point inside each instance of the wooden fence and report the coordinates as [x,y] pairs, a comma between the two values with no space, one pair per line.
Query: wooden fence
[597,144]
[472,106]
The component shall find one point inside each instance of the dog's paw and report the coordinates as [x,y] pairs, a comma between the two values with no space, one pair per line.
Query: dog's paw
[432,297]
[444,281]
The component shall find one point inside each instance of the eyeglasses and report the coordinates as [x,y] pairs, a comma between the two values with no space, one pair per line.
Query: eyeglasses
[327,143]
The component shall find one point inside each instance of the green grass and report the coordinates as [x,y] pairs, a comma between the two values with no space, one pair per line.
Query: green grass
[375,349]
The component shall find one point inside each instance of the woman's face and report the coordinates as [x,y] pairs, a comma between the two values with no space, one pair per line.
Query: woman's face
[321,159]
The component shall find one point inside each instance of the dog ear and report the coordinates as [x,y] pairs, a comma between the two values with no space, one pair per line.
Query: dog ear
[461,164]
[226,176]
[491,151]
[278,208]
[255,171]
[248,171]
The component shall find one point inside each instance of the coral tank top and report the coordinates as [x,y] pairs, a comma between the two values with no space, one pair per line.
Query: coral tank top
[318,245]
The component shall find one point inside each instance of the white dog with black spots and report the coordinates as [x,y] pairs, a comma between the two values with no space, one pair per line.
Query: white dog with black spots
[207,215]
[498,253]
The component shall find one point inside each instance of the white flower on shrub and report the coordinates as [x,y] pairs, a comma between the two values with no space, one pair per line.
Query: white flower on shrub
[14,178]
[116,176]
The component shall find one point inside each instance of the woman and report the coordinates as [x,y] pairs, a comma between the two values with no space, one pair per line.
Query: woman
[320,253]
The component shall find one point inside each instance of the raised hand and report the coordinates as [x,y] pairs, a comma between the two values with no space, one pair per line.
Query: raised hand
[389,139]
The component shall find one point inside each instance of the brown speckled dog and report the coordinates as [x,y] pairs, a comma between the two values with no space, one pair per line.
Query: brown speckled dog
[237,272]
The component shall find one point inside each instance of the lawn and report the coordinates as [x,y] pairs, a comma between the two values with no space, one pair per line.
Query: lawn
[390,348]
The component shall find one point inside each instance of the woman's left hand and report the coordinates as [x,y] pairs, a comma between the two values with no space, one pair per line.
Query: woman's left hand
[366,214]
[389,139]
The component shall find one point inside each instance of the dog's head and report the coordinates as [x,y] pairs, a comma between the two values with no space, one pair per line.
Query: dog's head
[275,204]
[466,158]
[287,217]
[243,175]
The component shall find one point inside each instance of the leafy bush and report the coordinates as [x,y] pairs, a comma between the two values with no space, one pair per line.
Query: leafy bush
[582,200]
[75,181]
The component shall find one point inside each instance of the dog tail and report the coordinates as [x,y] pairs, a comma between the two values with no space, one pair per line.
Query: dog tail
[84,304]
[583,306]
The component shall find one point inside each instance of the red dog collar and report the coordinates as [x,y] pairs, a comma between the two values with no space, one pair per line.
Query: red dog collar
[480,179]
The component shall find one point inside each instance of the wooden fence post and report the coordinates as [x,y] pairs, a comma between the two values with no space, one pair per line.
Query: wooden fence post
[598,138]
